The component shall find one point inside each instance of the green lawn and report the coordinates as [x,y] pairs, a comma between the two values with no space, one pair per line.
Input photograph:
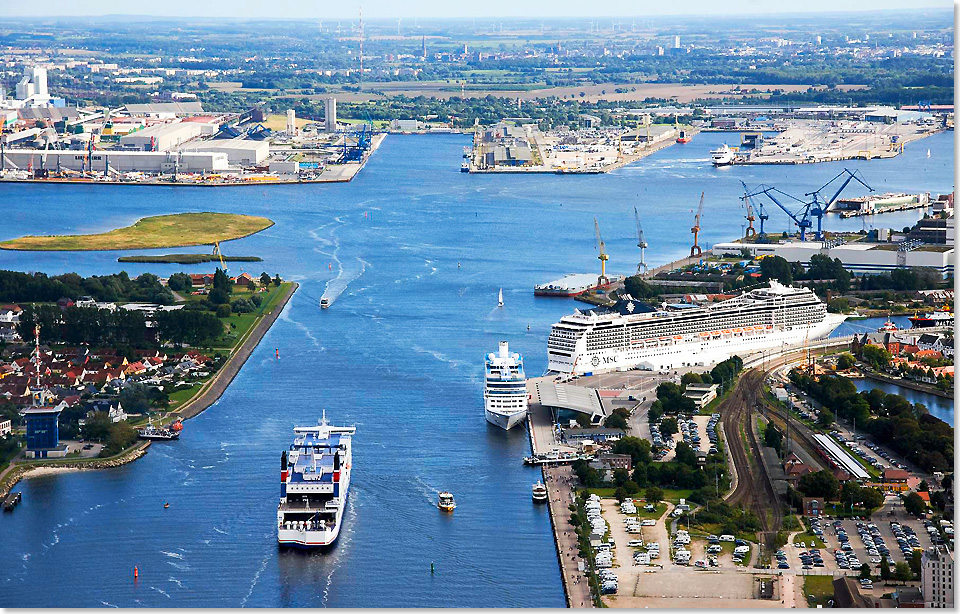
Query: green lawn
[176,230]
[183,395]
[818,589]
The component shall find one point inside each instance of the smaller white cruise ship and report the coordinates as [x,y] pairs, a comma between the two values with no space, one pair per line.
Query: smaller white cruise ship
[723,156]
[505,389]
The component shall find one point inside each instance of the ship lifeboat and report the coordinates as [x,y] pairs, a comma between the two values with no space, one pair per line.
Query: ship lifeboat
[738,331]
[769,326]
[704,334]
[726,332]
[678,337]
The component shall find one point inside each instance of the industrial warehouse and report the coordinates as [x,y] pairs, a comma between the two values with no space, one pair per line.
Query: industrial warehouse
[171,142]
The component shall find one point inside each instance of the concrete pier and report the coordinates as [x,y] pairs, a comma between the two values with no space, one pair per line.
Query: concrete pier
[559,482]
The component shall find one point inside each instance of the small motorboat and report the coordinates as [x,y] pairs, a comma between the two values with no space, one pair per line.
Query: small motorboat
[166,506]
[324,303]
[539,493]
[445,502]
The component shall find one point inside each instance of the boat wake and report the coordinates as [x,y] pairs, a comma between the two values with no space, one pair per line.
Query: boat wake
[345,275]
[173,555]
[161,591]
[285,316]
[429,492]
[256,578]
[454,363]
[346,533]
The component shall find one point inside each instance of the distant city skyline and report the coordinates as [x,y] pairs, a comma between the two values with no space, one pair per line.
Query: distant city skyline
[427,9]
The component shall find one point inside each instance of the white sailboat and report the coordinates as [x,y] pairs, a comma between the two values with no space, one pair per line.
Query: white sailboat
[500,298]
[928,153]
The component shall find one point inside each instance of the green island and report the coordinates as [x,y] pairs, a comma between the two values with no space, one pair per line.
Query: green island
[176,230]
[187,259]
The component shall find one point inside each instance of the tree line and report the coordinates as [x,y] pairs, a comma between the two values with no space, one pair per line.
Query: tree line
[17,287]
[906,428]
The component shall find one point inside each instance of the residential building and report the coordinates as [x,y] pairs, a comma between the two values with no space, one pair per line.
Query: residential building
[701,394]
[936,578]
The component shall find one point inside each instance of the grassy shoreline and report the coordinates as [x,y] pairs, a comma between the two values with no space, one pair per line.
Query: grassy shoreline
[176,230]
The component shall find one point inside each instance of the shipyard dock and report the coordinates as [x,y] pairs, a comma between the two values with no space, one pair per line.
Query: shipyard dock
[817,141]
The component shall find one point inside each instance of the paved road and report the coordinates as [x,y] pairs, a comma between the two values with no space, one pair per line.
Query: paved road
[216,387]
[559,481]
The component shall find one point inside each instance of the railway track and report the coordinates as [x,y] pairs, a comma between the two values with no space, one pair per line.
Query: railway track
[754,490]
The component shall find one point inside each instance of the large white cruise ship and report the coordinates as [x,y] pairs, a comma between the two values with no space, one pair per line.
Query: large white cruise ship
[505,388]
[314,482]
[684,335]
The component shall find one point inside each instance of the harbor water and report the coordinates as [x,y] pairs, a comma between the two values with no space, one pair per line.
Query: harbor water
[412,254]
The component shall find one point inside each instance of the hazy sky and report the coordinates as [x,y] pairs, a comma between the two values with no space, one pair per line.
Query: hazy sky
[441,8]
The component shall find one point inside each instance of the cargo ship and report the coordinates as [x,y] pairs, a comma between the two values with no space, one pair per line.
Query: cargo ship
[314,483]
[936,318]
[575,284]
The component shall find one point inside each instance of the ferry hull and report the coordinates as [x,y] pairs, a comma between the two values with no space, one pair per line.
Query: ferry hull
[505,421]
[293,538]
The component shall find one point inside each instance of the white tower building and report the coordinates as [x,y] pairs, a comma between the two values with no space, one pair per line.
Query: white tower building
[291,122]
[330,114]
[676,42]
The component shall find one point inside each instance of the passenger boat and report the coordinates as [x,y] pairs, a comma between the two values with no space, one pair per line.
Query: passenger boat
[539,493]
[158,434]
[314,485]
[445,502]
[722,156]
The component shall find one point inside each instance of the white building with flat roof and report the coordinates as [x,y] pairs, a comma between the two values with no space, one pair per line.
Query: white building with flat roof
[936,578]
[105,161]
[240,152]
[860,258]
[161,137]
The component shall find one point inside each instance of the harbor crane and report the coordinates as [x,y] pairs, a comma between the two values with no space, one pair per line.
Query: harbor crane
[641,243]
[761,213]
[817,207]
[218,254]
[603,257]
[695,251]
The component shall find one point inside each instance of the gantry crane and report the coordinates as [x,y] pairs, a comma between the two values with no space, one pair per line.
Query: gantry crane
[603,257]
[815,208]
[695,251]
[641,243]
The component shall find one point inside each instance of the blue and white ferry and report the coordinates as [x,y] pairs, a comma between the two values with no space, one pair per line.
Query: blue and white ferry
[314,482]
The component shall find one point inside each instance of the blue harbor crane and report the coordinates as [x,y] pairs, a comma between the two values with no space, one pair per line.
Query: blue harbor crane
[817,207]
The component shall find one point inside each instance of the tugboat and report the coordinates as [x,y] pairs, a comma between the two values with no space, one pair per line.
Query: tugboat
[539,493]
[158,434]
[445,502]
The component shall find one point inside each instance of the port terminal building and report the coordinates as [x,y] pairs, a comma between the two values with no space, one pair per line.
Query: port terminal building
[103,160]
[860,258]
